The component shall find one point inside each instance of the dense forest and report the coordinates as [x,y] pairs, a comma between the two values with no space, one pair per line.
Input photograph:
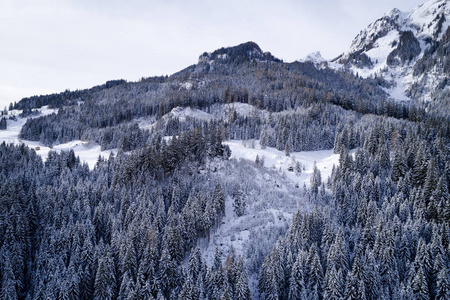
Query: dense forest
[134,227]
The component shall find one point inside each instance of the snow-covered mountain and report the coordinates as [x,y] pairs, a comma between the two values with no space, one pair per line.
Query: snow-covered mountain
[409,49]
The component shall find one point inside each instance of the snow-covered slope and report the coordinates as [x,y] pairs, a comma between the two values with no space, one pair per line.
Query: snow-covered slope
[88,152]
[216,112]
[395,45]
[274,192]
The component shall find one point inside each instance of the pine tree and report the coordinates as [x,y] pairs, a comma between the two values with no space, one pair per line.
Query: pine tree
[315,272]
[130,261]
[242,289]
[187,292]
[127,289]
[371,276]
[442,198]
[168,273]
[430,181]
[334,284]
[3,124]
[239,203]
[338,255]
[345,160]
[219,202]
[385,162]
[315,179]
[287,149]
[398,165]
[73,285]
[8,284]
[420,285]
[195,263]
[355,286]
[297,288]
[443,285]
[104,287]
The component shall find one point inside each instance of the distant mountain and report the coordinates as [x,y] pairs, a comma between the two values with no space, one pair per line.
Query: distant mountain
[411,50]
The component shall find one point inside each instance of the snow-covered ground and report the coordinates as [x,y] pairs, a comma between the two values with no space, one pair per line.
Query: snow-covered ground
[273,194]
[11,135]
[216,112]
[277,160]
[88,152]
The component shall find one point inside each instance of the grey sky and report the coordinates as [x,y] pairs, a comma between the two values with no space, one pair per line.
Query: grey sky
[48,46]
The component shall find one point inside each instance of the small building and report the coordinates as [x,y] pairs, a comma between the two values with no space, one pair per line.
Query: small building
[290,169]
[37,148]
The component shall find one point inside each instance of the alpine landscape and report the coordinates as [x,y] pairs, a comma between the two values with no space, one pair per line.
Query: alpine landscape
[240,177]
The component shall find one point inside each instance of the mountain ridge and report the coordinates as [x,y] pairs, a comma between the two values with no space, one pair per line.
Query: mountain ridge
[247,51]
[396,43]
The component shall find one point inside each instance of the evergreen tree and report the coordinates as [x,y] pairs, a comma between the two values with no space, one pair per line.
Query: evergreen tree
[314,273]
[398,165]
[443,285]
[104,287]
[355,287]
[219,202]
[9,283]
[239,203]
[334,284]
[242,289]
[297,288]
[420,285]
[315,179]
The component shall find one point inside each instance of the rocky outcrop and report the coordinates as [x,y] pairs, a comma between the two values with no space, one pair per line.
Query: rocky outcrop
[408,48]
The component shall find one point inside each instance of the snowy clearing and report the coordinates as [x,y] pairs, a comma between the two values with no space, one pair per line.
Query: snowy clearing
[277,160]
[88,152]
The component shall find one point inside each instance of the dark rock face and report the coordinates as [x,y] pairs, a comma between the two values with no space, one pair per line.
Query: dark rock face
[438,54]
[408,48]
[360,60]
[437,58]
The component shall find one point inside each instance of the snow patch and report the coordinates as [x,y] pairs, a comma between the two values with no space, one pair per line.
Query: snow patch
[88,152]
[277,160]
[183,112]
[186,85]
[243,109]
[424,18]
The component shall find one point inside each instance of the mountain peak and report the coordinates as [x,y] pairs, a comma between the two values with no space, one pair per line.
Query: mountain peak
[396,43]
[314,57]
[430,19]
[248,51]
[394,13]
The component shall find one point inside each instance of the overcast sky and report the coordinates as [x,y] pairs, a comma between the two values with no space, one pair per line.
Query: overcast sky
[50,46]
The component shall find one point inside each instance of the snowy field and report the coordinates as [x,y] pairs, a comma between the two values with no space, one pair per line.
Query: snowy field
[86,151]
[277,160]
